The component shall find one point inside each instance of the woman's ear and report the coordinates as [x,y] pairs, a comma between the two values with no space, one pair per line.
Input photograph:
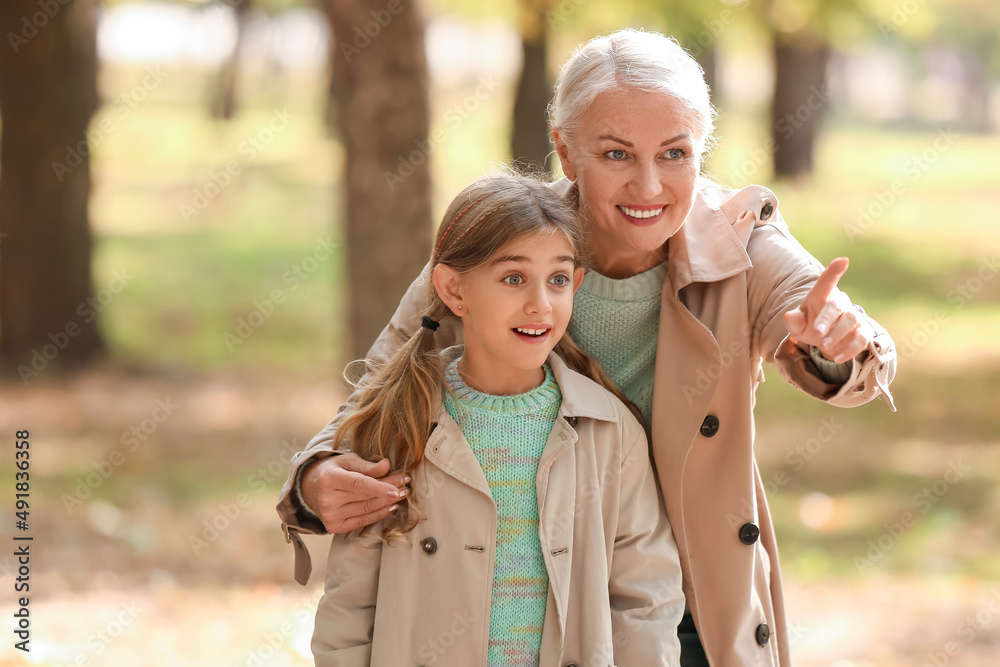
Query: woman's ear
[562,150]
[577,278]
[448,283]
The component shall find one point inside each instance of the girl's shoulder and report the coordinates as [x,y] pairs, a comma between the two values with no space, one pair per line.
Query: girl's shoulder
[583,398]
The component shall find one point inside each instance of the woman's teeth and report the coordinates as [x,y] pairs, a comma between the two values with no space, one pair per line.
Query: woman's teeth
[642,215]
[530,332]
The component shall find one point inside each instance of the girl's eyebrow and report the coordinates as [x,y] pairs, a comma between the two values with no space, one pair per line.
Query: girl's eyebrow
[522,259]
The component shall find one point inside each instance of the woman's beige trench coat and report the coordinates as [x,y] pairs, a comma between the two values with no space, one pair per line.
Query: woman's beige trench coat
[614,577]
[733,271]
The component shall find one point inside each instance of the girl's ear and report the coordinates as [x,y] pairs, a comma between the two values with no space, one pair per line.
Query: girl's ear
[448,284]
[562,150]
[577,278]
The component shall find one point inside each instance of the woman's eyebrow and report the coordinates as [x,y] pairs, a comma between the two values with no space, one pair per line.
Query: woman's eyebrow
[682,135]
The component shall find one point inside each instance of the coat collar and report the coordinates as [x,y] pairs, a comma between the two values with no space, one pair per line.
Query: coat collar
[711,244]
[581,396]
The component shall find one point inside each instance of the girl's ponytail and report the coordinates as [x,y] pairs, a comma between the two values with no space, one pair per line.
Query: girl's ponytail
[395,411]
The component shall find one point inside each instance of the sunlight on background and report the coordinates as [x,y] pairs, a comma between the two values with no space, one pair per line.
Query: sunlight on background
[174,554]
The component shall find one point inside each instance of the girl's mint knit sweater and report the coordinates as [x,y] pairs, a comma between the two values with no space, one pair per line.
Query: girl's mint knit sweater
[507,435]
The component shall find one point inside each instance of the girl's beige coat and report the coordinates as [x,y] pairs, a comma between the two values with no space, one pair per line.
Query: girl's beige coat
[733,271]
[614,575]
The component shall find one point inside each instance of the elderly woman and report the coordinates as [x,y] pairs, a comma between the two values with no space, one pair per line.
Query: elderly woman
[693,287]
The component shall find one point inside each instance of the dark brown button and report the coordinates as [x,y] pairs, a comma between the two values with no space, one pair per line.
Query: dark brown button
[766,211]
[571,421]
[710,426]
[429,545]
[749,533]
[763,634]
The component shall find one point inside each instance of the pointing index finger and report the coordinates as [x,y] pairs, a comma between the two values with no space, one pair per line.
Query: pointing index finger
[825,284]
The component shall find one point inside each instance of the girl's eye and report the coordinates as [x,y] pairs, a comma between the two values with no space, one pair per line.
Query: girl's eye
[560,280]
[617,154]
[513,279]
[676,153]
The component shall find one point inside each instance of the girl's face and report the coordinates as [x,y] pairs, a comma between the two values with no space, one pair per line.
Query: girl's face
[635,161]
[514,309]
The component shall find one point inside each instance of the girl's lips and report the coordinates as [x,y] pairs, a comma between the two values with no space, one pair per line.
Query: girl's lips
[534,336]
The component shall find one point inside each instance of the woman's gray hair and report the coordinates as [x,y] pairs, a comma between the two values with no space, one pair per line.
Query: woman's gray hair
[635,59]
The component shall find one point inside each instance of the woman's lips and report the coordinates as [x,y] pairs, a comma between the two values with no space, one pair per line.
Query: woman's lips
[642,215]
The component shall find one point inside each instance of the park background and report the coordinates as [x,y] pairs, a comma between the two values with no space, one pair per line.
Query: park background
[188,189]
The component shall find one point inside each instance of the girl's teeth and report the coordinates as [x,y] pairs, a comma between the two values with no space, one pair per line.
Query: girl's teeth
[642,215]
[531,332]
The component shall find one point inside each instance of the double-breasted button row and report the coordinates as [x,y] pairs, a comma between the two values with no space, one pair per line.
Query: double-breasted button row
[749,533]
[710,426]
[763,634]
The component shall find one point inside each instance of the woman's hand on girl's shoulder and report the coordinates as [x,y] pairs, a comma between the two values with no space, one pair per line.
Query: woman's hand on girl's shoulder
[347,492]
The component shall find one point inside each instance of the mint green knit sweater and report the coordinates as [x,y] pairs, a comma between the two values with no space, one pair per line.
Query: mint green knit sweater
[507,435]
[617,322]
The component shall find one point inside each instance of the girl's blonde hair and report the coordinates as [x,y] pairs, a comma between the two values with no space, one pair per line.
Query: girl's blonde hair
[632,59]
[398,400]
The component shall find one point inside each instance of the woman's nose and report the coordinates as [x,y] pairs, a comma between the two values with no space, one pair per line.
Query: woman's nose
[646,183]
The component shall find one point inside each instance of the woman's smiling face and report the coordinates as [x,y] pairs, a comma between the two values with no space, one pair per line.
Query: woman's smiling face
[635,157]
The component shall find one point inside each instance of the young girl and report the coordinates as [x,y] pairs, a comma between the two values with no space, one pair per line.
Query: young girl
[534,533]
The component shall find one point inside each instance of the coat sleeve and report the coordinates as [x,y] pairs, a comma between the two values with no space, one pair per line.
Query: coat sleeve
[645,584]
[783,272]
[345,616]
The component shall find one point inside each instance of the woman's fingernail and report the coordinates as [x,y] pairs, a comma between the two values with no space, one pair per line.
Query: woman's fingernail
[821,328]
[841,358]
[407,479]
[826,341]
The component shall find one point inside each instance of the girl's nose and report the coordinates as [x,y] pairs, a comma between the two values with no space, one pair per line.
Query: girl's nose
[538,301]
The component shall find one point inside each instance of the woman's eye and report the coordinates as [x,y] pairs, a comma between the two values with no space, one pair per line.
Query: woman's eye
[560,280]
[513,279]
[675,153]
[616,154]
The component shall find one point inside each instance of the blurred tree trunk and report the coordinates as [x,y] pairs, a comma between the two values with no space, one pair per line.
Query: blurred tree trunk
[224,96]
[381,108]
[709,61]
[529,139]
[800,99]
[48,94]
